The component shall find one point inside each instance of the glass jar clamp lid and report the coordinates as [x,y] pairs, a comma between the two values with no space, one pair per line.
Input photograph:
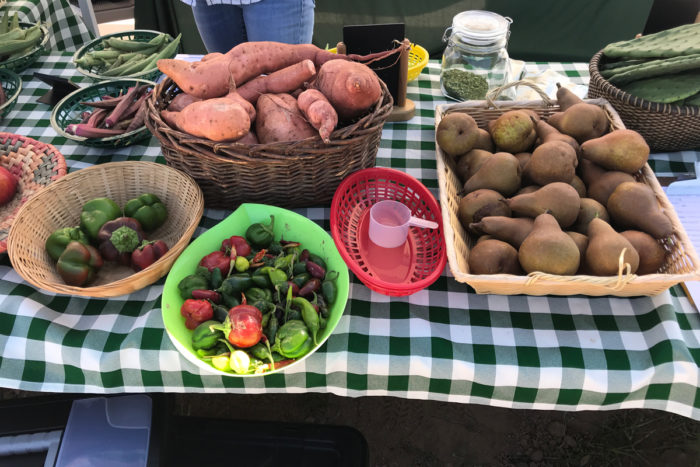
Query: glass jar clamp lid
[475,58]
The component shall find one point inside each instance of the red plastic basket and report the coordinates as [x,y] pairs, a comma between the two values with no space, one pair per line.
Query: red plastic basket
[396,271]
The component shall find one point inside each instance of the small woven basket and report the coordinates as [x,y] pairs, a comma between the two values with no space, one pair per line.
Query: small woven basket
[60,205]
[68,111]
[289,175]
[141,35]
[23,62]
[665,127]
[681,263]
[35,164]
[11,86]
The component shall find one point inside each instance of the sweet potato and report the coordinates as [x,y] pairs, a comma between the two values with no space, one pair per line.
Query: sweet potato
[181,101]
[279,119]
[218,119]
[170,117]
[210,78]
[351,87]
[281,81]
[319,112]
[247,106]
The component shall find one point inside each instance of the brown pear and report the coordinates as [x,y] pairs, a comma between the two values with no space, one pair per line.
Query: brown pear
[456,133]
[589,210]
[552,161]
[493,257]
[601,188]
[588,171]
[577,183]
[500,172]
[481,203]
[651,254]
[469,163]
[581,241]
[508,229]
[547,249]
[528,189]
[513,131]
[582,121]
[559,199]
[623,150]
[546,132]
[566,98]
[484,141]
[605,246]
[633,205]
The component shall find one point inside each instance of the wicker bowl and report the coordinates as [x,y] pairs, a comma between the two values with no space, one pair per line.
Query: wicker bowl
[35,164]
[292,174]
[11,86]
[681,264]
[665,127]
[141,35]
[60,205]
[23,62]
[68,111]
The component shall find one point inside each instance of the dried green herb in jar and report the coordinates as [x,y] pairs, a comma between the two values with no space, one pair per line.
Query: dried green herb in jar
[464,85]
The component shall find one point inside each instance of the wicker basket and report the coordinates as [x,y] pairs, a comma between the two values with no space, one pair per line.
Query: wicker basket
[681,263]
[23,62]
[60,204]
[290,175]
[665,127]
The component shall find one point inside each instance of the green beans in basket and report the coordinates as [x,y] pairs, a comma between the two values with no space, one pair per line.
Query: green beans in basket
[16,40]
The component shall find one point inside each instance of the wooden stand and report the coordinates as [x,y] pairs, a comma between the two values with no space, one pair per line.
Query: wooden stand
[404,108]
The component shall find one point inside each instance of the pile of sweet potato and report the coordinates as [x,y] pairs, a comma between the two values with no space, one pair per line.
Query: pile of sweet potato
[265,92]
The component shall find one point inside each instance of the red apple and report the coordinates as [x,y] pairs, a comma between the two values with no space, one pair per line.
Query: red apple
[8,186]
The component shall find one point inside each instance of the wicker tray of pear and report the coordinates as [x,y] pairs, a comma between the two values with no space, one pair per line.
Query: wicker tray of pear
[555,198]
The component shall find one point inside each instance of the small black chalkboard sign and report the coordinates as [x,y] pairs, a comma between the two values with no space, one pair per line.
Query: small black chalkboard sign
[370,38]
[60,88]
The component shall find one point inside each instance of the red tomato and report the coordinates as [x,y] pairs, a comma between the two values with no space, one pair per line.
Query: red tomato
[8,186]
[246,326]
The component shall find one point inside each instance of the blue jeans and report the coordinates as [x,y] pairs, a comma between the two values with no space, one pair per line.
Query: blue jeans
[224,26]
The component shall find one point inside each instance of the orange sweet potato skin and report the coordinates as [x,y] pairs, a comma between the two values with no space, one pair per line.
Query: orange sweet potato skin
[285,80]
[319,112]
[181,101]
[218,119]
[352,88]
[279,119]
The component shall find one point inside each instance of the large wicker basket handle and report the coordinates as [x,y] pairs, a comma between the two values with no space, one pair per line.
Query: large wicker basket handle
[493,94]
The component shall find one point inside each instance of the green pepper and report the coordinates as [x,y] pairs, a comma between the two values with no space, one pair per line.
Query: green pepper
[205,337]
[299,267]
[261,279]
[261,235]
[241,264]
[230,301]
[318,260]
[309,315]
[301,279]
[96,213]
[216,278]
[254,294]
[284,262]
[271,330]
[292,339]
[277,276]
[59,240]
[78,263]
[190,283]
[148,209]
[328,287]
[221,311]
[234,284]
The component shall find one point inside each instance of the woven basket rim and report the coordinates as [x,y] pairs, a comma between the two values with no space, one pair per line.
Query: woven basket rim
[17,81]
[124,285]
[638,102]
[109,139]
[95,42]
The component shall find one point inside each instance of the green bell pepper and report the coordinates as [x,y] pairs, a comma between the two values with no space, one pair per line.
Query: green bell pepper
[96,213]
[293,340]
[190,283]
[59,240]
[205,337]
[148,209]
[234,284]
[261,235]
[78,264]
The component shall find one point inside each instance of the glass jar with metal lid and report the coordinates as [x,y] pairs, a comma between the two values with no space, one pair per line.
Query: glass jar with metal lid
[476,57]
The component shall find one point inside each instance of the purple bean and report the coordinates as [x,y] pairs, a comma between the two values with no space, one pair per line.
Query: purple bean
[315,270]
[310,286]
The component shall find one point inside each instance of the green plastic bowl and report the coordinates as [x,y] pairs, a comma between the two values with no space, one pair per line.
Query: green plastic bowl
[141,35]
[18,64]
[290,226]
[68,111]
[12,86]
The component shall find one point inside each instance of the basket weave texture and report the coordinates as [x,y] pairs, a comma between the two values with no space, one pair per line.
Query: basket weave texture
[665,127]
[35,164]
[12,85]
[60,205]
[681,263]
[289,175]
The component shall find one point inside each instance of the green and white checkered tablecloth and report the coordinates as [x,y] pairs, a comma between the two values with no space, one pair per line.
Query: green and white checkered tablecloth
[443,343]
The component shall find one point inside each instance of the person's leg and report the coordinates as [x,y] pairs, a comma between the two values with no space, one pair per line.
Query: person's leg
[290,21]
[220,26]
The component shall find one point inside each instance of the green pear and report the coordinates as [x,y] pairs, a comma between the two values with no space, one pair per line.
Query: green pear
[513,131]
[623,150]
[456,133]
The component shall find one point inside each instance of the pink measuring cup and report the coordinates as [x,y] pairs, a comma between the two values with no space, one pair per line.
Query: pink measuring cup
[389,221]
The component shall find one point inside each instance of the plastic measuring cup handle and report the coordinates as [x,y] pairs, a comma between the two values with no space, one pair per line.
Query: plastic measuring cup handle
[424,223]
